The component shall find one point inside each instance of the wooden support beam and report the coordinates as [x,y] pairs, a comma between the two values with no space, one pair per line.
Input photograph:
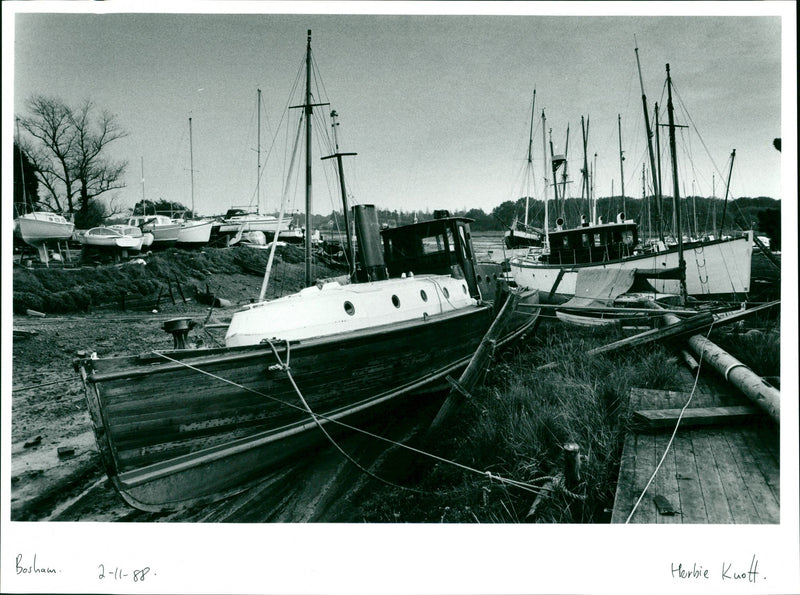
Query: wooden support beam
[477,365]
[678,328]
[656,419]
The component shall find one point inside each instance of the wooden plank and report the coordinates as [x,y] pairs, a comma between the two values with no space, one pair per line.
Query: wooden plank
[692,505]
[665,483]
[625,498]
[733,483]
[763,444]
[652,419]
[766,505]
[714,498]
[645,465]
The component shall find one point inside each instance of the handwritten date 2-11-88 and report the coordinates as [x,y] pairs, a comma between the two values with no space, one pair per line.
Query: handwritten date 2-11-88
[117,573]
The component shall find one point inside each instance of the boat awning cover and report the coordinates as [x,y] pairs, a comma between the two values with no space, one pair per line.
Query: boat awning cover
[599,287]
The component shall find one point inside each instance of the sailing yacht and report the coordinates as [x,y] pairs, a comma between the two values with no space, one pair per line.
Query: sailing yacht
[704,269]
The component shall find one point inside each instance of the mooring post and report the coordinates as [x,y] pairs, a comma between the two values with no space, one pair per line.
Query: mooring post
[572,465]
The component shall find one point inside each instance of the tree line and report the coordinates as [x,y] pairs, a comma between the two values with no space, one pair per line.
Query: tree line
[62,164]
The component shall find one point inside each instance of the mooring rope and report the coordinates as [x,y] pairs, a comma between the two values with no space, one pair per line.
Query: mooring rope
[519,484]
[285,367]
[674,431]
[61,381]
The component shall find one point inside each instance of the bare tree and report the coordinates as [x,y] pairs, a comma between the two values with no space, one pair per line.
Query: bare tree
[70,153]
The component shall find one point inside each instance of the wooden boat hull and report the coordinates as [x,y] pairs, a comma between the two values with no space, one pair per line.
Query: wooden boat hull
[176,434]
[713,269]
[519,238]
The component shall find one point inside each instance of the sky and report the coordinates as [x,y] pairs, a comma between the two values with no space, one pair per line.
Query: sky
[437,106]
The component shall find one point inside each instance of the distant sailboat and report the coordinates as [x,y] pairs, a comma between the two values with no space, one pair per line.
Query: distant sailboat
[193,232]
[520,235]
[38,228]
[240,220]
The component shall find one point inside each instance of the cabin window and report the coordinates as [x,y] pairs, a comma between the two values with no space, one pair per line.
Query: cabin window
[396,301]
[627,237]
[423,295]
[464,288]
[349,308]
[445,292]
[597,240]
[439,243]
[585,240]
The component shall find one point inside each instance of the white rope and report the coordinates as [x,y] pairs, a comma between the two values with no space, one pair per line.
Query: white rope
[674,432]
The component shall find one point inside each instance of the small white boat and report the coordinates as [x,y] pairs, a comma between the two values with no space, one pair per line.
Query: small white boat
[238,219]
[105,237]
[40,227]
[165,231]
[132,230]
[194,232]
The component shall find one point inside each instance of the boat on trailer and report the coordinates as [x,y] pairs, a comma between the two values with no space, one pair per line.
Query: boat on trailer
[181,427]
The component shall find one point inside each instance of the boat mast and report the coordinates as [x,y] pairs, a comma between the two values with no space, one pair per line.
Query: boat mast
[258,156]
[621,159]
[656,179]
[714,203]
[660,185]
[585,170]
[675,188]
[143,207]
[564,179]
[308,109]
[546,200]
[530,160]
[350,255]
[646,202]
[694,211]
[727,187]
[594,198]
[308,113]
[191,165]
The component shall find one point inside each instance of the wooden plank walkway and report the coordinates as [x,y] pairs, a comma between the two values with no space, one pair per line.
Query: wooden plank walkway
[722,474]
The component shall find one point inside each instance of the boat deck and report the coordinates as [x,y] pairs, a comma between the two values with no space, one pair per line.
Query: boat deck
[722,468]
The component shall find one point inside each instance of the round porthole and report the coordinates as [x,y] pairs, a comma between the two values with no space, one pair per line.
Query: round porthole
[445,292]
[349,308]
[423,295]
[396,301]
[479,279]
